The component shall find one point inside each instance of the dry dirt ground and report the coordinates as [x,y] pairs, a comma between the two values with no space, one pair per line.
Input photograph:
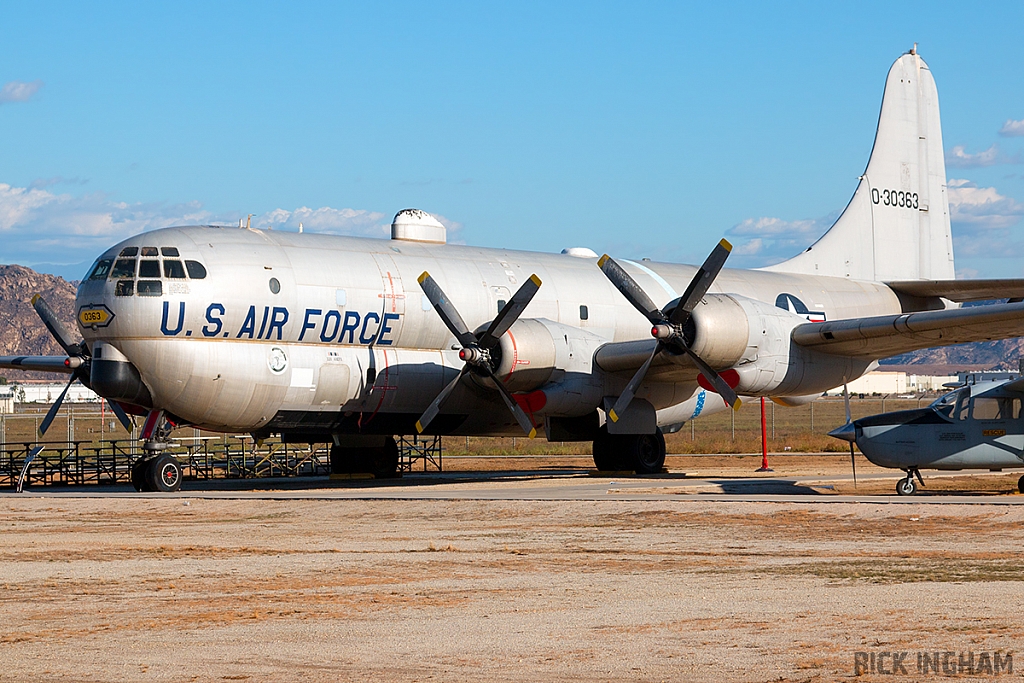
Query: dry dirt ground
[215,590]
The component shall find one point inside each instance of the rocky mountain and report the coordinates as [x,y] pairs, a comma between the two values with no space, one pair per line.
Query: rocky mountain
[21,330]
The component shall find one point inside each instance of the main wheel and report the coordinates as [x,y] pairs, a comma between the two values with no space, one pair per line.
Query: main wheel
[1020,484]
[164,474]
[139,478]
[645,453]
[605,457]
[906,487]
[383,461]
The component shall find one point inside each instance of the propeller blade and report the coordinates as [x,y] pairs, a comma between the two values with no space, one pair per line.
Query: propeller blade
[846,401]
[449,315]
[24,468]
[434,408]
[630,289]
[622,402]
[853,464]
[849,421]
[510,312]
[55,326]
[52,412]
[701,282]
[122,416]
[721,386]
[520,414]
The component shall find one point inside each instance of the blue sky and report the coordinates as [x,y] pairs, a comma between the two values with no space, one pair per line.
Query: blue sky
[640,129]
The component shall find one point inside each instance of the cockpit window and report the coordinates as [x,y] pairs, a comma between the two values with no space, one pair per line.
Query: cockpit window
[130,251]
[101,269]
[150,251]
[150,288]
[196,270]
[124,288]
[169,251]
[174,269]
[996,409]
[124,267]
[149,269]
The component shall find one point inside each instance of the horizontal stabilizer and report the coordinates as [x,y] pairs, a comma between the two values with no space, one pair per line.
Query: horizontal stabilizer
[889,335]
[961,290]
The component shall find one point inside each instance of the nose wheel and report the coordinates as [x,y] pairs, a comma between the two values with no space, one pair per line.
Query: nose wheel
[157,471]
[907,486]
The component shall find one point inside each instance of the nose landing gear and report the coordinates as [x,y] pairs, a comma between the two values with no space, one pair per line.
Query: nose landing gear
[907,486]
[156,470]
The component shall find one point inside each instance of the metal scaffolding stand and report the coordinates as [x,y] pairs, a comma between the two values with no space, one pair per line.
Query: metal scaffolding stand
[427,449]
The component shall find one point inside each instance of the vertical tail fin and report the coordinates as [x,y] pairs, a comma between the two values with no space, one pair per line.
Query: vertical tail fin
[896,227]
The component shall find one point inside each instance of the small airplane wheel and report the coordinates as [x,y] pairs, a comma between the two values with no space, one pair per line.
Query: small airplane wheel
[906,487]
[1020,484]
[164,474]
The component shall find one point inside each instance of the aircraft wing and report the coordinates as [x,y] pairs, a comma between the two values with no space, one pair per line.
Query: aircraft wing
[961,290]
[889,335]
[627,356]
[41,363]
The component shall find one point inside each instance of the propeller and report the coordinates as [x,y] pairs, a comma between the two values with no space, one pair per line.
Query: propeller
[668,324]
[848,432]
[478,351]
[79,359]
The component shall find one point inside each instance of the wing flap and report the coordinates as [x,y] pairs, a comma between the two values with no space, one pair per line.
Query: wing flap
[889,335]
[961,290]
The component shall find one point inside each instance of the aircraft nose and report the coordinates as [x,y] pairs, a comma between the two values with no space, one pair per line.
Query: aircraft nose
[848,432]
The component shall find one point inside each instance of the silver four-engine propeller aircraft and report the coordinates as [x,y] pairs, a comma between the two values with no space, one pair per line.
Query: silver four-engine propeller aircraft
[353,341]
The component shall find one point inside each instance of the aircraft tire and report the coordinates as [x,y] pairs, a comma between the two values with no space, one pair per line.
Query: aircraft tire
[384,461]
[164,474]
[139,478]
[645,453]
[1020,484]
[605,459]
[906,486]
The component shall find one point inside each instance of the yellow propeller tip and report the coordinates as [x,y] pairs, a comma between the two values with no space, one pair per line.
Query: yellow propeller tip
[613,415]
[35,298]
[533,433]
[423,276]
[419,427]
[736,406]
[603,260]
[535,280]
[725,244]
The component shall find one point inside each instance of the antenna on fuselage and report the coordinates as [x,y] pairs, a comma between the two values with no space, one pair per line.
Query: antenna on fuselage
[300,226]
[248,221]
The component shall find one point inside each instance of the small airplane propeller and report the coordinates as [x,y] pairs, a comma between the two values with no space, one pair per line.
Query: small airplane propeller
[477,351]
[668,324]
[848,432]
[79,359]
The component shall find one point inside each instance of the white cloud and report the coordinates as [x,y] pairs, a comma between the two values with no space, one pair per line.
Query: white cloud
[19,91]
[981,207]
[763,241]
[39,226]
[1012,129]
[959,158]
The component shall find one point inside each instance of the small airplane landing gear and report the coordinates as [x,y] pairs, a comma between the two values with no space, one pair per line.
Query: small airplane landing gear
[1020,484]
[908,487]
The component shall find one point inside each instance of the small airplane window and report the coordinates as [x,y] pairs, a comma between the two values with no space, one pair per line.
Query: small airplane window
[275,285]
[584,313]
[124,288]
[129,251]
[196,270]
[169,251]
[124,267]
[149,269]
[174,269]
[987,409]
[150,251]
[100,270]
[1015,408]
[150,288]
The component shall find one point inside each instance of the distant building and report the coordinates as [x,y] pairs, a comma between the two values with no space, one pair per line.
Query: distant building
[895,383]
[6,400]
[48,393]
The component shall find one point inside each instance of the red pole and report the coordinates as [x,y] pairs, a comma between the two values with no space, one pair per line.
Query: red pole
[764,441]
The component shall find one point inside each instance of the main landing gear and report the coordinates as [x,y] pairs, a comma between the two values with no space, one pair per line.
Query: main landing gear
[907,486]
[1020,484]
[640,453]
[157,470]
[379,459]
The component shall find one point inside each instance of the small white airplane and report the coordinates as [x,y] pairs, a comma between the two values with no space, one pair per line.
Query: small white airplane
[352,341]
